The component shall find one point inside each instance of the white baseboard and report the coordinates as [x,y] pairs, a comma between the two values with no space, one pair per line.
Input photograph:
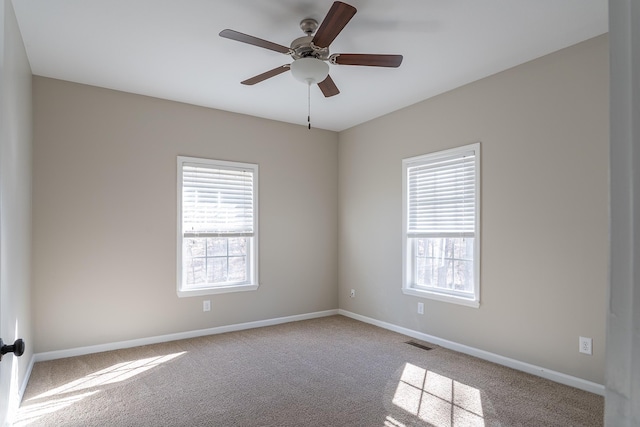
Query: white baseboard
[80,351]
[27,375]
[492,357]
[481,354]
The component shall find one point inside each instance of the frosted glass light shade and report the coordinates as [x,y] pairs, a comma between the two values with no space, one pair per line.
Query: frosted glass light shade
[309,70]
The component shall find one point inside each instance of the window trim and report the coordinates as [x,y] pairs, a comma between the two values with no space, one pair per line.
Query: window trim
[253,281]
[407,262]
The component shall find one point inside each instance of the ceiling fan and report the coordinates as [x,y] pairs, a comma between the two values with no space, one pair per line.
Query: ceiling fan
[311,53]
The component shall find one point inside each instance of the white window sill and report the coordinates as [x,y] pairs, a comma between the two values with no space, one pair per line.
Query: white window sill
[442,297]
[196,292]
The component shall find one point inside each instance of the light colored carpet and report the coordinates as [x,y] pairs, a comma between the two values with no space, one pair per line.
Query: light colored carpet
[332,371]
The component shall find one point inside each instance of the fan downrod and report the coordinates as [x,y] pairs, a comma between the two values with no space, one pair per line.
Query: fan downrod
[309,26]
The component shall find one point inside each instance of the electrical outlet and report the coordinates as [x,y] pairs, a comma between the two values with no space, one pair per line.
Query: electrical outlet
[585,345]
[353,293]
[206,305]
[420,308]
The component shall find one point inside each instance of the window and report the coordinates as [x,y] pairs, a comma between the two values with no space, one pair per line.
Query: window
[217,226]
[441,233]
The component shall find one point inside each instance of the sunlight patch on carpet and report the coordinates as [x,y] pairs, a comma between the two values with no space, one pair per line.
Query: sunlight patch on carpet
[437,399]
[35,407]
[32,412]
[113,374]
[392,422]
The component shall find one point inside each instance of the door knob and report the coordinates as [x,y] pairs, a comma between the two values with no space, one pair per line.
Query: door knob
[17,348]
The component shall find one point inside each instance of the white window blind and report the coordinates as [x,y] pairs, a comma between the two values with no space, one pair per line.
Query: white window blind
[442,196]
[217,201]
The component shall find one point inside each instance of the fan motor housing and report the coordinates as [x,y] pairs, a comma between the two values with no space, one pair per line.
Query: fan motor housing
[303,47]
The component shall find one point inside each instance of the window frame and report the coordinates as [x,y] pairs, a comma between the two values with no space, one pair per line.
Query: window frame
[408,260]
[251,283]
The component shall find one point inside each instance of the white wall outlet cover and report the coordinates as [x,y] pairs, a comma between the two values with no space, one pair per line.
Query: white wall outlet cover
[585,345]
[206,305]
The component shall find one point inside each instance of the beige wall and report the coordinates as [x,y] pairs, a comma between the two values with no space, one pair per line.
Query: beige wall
[543,127]
[105,215]
[15,207]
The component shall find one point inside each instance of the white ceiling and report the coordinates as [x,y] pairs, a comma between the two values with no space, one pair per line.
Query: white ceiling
[171,49]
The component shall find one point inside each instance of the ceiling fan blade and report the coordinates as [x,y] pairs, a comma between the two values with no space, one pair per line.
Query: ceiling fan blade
[328,87]
[337,17]
[266,75]
[370,60]
[244,38]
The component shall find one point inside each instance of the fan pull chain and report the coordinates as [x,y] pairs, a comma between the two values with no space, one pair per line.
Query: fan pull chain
[309,104]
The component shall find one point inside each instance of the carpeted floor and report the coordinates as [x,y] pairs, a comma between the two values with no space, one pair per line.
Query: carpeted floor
[332,371]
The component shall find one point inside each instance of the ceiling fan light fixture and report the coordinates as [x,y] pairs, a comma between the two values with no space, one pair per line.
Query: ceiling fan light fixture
[310,53]
[309,70]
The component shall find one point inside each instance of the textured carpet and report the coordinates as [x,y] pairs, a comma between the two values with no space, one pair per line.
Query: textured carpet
[332,371]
